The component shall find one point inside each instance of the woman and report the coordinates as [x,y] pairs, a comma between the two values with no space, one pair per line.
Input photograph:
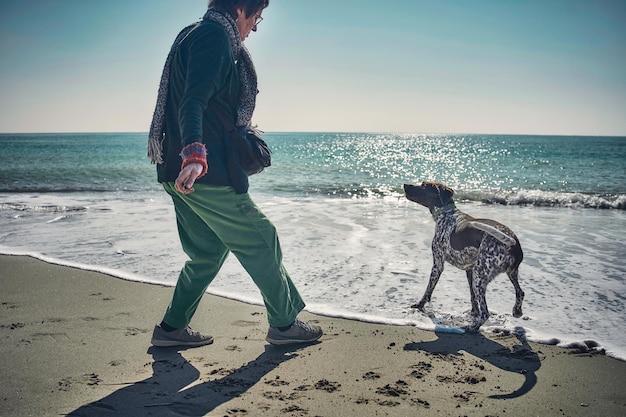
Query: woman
[209,71]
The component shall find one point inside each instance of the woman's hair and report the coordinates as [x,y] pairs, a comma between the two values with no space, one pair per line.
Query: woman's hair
[250,7]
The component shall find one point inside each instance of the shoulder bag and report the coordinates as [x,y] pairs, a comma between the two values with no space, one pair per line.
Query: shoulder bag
[254,154]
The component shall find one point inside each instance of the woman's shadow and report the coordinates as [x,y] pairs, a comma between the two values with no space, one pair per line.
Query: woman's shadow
[164,392]
[521,359]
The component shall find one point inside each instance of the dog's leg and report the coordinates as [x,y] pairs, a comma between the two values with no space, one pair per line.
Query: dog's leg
[519,294]
[435,273]
[470,281]
[482,277]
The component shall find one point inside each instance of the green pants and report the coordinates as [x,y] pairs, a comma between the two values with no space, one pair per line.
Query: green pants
[213,221]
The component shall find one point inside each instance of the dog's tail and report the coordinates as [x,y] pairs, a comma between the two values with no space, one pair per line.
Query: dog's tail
[529,383]
[498,234]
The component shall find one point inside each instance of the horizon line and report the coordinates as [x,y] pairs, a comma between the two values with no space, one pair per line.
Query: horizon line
[331,131]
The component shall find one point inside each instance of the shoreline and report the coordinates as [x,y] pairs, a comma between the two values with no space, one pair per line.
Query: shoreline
[76,343]
[583,344]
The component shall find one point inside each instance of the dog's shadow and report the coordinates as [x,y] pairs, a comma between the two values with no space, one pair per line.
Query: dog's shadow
[175,387]
[521,359]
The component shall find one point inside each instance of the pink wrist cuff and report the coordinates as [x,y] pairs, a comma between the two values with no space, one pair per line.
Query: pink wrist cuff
[195,153]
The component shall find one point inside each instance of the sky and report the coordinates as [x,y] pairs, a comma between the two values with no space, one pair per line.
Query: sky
[554,67]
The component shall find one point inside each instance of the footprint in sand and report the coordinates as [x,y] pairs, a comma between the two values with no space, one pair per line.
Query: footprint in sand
[237,411]
[327,386]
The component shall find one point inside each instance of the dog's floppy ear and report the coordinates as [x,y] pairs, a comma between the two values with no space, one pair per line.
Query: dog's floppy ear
[445,194]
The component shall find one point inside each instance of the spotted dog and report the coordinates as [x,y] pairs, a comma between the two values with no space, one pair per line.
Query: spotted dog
[483,248]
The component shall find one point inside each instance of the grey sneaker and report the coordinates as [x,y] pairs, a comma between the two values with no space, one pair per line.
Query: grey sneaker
[299,332]
[179,337]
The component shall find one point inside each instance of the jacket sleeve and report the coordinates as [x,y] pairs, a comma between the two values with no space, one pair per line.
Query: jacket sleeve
[207,58]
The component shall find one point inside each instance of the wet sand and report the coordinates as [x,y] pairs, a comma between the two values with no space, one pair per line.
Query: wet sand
[77,343]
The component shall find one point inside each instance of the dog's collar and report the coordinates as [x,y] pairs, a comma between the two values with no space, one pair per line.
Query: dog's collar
[438,211]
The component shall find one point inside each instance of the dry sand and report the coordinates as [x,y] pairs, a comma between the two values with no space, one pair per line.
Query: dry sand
[77,343]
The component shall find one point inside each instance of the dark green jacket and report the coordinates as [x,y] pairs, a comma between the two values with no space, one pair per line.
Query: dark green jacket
[203,80]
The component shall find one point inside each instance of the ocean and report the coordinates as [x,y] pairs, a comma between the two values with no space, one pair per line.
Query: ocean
[354,246]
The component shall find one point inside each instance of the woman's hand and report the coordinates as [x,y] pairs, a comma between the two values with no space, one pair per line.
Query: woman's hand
[187,177]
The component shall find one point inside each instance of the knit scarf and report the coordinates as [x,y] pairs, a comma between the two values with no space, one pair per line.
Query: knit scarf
[245,69]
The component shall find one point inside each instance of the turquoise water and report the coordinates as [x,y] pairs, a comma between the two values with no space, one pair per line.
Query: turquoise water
[353,244]
[506,169]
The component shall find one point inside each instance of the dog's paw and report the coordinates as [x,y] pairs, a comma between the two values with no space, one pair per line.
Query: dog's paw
[419,306]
